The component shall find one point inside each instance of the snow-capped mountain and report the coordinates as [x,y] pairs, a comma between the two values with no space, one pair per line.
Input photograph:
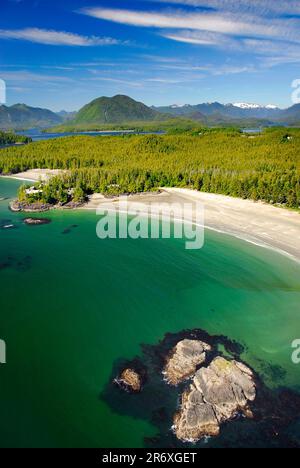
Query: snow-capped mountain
[179,106]
[215,111]
[246,105]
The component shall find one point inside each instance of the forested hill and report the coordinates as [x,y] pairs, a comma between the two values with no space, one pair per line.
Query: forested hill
[117,109]
[21,117]
[261,167]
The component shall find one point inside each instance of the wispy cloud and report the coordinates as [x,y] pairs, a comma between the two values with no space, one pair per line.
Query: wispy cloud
[261,7]
[227,24]
[109,79]
[201,38]
[25,76]
[224,23]
[57,38]
[274,53]
[165,80]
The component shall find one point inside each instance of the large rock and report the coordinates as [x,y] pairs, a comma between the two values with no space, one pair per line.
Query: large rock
[217,394]
[196,418]
[37,207]
[36,221]
[184,360]
[130,380]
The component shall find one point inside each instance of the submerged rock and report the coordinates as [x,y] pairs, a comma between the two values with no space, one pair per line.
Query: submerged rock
[36,221]
[185,357]
[6,224]
[130,380]
[218,393]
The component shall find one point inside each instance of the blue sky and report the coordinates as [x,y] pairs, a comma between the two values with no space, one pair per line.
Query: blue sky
[62,54]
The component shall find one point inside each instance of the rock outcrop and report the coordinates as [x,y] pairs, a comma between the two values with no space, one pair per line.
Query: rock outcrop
[36,221]
[218,393]
[184,360]
[130,381]
[37,207]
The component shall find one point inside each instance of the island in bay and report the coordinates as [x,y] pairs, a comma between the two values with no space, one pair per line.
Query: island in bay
[205,391]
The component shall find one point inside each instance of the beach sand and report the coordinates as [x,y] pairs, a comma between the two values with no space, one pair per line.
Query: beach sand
[35,175]
[255,222]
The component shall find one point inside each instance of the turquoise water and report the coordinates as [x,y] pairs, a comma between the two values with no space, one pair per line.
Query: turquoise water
[72,305]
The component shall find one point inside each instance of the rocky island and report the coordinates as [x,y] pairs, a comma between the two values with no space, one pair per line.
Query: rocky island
[130,380]
[218,393]
[199,386]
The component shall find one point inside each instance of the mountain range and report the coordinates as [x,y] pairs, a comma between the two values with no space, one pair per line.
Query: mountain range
[123,109]
[233,111]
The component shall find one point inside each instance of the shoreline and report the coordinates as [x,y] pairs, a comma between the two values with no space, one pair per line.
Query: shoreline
[35,175]
[257,223]
[17,178]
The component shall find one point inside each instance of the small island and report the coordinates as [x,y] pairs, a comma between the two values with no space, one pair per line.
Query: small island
[199,392]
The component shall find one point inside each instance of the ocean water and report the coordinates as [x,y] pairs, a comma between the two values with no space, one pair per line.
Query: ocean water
[72,305]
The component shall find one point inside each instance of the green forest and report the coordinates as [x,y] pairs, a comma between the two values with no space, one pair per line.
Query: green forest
[7,138]
[169,126]
[260,167]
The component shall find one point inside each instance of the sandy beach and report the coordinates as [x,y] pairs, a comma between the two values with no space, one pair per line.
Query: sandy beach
[36,175]
[255,222]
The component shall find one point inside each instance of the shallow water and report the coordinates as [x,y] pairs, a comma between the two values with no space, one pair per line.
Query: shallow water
[71,305]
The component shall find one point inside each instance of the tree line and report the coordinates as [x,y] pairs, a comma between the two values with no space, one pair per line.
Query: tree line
[8,138]
[259,167]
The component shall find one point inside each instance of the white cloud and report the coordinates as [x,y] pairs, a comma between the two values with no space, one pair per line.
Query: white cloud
[259,7]
[274,53]
[165,81]
[24,76]
[58,38]
[201,38]
[227,24]
[130,84]
[224,23]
